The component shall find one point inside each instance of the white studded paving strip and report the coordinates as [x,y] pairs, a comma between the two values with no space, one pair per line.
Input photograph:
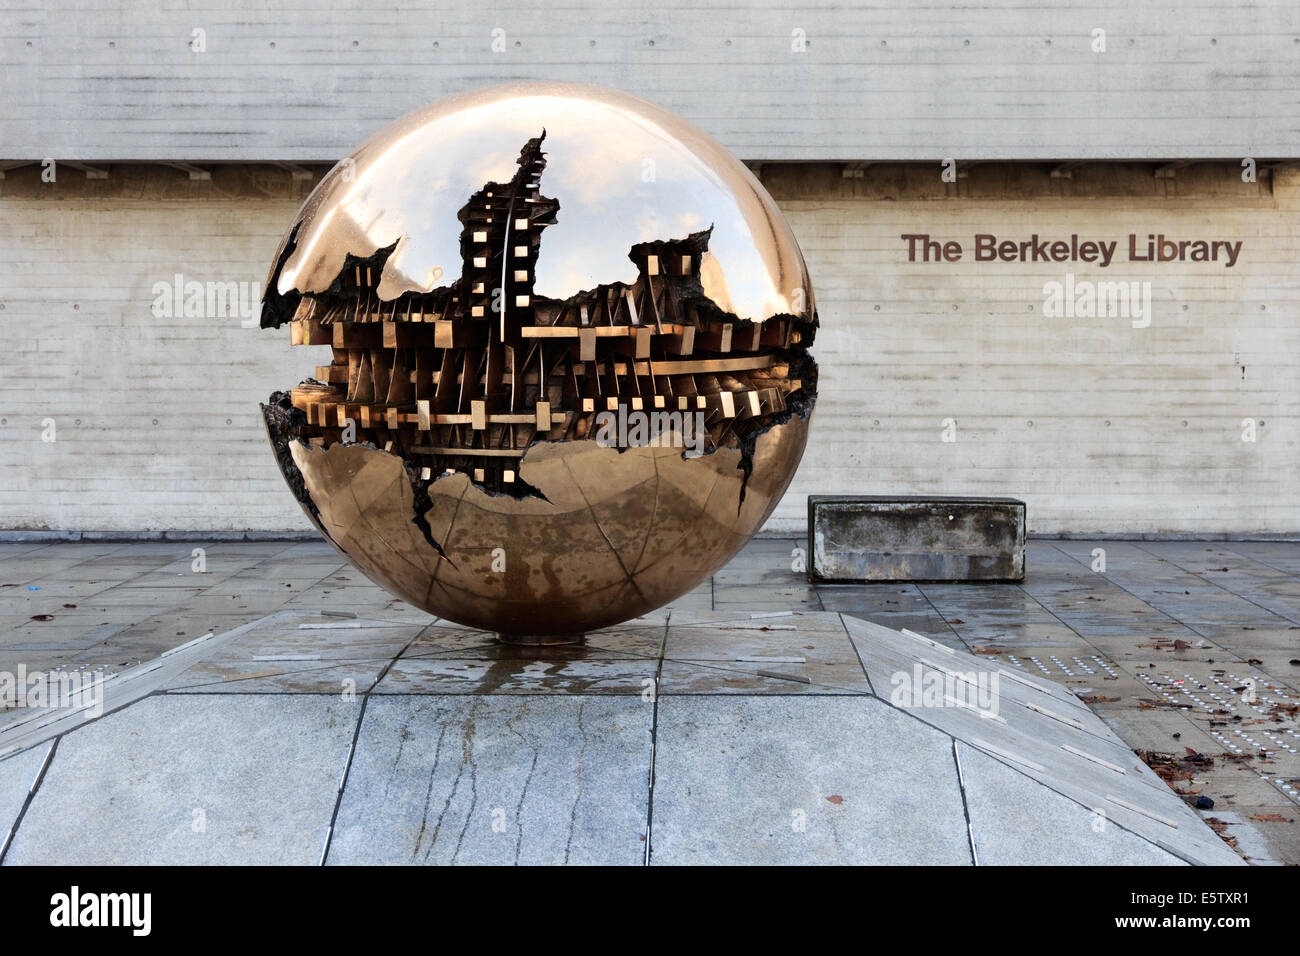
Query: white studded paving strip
[1249,698]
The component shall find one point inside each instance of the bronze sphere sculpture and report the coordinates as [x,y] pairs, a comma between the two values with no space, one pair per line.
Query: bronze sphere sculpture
[570,373]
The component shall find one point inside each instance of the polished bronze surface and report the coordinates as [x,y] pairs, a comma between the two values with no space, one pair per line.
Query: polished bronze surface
[624,172]
[570,374]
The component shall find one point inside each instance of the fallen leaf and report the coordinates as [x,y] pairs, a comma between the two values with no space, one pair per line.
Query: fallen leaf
[1170,768]
[835,799]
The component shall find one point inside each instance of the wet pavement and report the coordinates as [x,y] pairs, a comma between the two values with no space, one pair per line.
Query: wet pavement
[1186,650]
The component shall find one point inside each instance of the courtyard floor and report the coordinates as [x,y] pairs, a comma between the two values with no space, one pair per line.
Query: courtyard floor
[1187,650]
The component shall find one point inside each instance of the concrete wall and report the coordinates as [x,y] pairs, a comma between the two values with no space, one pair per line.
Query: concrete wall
[1100,426]
[849,80]
[156,419]
[1096,424]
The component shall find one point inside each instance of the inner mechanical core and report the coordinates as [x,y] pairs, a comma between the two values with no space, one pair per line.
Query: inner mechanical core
[465,378]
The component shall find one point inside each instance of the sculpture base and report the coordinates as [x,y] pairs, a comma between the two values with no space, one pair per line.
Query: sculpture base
[963,759]
[542,640]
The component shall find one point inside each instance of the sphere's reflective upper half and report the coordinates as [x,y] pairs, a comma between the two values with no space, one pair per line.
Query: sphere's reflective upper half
[622,170]
[569,373]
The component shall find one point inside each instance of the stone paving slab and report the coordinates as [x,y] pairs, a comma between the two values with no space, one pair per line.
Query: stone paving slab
[475,780]
[867,599]
[17,780]
[226,779]
[791,652]
[326,638]
[352,676]
[718,677]
[770,780]
[1077,835]
[722,636]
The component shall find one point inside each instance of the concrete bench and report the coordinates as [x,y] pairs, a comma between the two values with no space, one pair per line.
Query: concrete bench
[866,538]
